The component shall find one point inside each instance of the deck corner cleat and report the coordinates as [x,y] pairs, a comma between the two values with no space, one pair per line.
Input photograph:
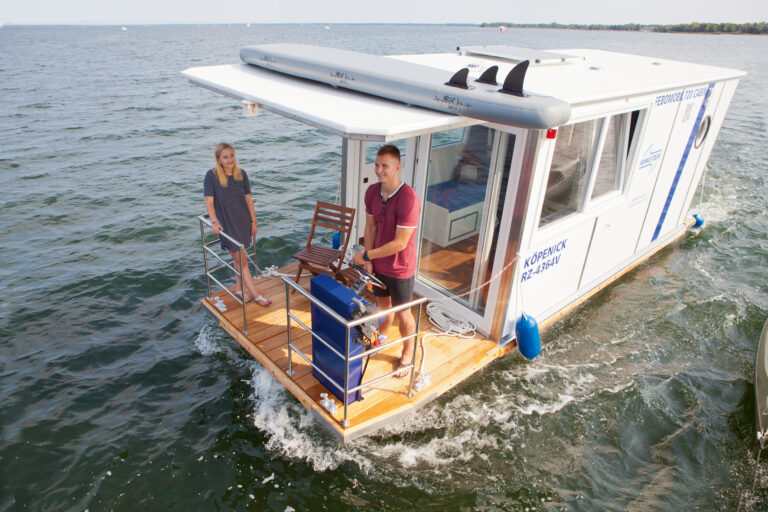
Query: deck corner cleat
[422,382]
[328,403]
[219,304]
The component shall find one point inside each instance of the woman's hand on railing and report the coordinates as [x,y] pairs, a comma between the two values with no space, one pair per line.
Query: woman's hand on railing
[216,227]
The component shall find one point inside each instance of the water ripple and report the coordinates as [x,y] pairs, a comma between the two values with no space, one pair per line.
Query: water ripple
[116,383]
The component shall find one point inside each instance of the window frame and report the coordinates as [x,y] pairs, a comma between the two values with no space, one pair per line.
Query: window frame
[626,153]
[624,119]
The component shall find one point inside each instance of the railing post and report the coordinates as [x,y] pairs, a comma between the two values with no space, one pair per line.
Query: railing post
[205,259]
[255,258]
[288,328]
[344,422]
[415,348]
[240,253]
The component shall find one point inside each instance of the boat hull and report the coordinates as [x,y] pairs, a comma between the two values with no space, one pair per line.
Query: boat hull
[761,382]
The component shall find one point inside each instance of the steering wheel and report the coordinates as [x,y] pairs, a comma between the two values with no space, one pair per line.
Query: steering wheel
[367,277]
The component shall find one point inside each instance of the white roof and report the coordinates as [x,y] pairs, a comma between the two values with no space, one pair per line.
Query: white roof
[601,75]
[347,113]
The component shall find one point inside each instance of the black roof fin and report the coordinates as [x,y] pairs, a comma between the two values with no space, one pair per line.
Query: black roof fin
[513,84]
[459,79]
[489,76]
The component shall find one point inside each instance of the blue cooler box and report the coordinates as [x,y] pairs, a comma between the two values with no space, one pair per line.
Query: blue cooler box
[338,298]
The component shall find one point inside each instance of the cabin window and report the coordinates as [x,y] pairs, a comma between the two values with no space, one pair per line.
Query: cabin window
[571,165]
[372,148]
[448,137]
[701,135]
[608,177]
[575,157]
[634,117]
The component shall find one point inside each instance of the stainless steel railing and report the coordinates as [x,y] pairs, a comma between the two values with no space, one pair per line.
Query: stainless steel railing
[349,325]
[242,256]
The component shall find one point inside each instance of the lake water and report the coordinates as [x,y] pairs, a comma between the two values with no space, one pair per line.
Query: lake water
[118,393]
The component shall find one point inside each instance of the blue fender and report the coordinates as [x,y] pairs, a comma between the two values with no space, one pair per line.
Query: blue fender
[528,340]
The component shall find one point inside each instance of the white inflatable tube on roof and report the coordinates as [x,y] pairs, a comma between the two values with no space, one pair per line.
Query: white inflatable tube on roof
[409,83]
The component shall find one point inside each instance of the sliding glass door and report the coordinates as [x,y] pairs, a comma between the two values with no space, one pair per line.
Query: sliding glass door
[468,179]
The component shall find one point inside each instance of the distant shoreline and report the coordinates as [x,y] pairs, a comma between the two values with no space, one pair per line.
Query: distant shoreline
[690,28]
[760,28]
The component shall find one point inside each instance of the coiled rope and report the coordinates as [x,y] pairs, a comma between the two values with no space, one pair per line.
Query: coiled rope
[272,271]
[444,323]
[447,323]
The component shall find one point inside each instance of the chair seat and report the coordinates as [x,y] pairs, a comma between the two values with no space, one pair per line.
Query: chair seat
[320,258]
[318,255]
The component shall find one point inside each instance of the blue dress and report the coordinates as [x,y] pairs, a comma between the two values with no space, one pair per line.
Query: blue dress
[230,207]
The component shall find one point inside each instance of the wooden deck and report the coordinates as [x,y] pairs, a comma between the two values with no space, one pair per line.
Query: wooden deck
[449,360]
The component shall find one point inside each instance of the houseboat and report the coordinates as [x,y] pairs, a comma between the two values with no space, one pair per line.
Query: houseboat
[524,212]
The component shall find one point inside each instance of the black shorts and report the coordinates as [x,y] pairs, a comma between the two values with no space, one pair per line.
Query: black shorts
[401,290]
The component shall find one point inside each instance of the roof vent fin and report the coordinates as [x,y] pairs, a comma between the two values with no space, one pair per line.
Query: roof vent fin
[459,79]
[513,84]
[489,76]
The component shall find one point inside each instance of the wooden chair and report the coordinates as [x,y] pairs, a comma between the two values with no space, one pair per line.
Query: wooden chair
[320,258]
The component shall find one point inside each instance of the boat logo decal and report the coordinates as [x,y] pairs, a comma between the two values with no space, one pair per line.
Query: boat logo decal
[266,59]
[543,260]
[342,77]
[676,97]
[452,103]
[650,159]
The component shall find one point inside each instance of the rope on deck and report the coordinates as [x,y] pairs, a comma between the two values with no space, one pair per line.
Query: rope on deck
[444,323]
[272,271]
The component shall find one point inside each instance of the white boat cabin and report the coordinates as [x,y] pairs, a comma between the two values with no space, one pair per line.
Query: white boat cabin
[577,204]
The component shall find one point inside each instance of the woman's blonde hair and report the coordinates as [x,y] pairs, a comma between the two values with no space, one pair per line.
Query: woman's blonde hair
[220,174]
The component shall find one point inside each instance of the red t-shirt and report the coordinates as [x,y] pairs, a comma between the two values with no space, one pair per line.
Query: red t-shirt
[401,211]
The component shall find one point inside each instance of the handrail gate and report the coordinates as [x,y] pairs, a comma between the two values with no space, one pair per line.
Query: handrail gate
[348,324]
[204,221]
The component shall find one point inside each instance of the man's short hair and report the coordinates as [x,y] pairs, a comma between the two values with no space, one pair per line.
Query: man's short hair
[389,149]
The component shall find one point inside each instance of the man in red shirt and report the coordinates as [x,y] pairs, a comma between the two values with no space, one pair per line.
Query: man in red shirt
[392,212]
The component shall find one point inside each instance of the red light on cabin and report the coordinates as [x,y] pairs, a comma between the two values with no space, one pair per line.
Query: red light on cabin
[551,133]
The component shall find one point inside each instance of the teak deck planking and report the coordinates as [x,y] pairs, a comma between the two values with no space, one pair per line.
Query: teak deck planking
[449,359]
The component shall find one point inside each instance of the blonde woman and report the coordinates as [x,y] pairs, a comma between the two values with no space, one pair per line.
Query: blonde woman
[230,207]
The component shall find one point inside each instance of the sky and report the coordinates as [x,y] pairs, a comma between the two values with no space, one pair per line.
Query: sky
[127,12]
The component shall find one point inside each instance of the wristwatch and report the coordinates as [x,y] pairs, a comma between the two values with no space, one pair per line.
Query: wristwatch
[365,256]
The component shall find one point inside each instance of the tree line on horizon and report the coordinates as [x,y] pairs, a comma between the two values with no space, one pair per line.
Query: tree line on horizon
[698,28]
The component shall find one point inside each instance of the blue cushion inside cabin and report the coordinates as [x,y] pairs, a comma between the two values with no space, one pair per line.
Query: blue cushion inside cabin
[455,195]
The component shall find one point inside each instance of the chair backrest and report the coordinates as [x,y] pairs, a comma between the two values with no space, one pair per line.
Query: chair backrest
[333,217]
